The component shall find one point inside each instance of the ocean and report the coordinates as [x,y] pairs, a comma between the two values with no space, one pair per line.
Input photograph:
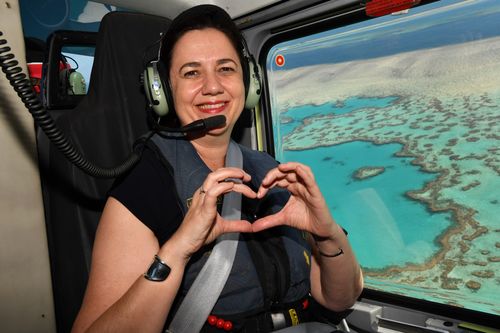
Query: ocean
[404,230]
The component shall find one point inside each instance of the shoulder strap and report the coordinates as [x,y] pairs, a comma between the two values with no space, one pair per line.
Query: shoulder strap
[188,168]
[209,283]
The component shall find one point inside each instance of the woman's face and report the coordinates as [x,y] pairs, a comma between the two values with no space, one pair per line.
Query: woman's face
[206,78]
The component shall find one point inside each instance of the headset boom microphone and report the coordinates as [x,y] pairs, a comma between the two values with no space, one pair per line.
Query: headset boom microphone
[200,125]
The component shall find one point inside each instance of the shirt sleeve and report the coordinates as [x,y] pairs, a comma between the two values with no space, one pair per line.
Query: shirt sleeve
[148,192]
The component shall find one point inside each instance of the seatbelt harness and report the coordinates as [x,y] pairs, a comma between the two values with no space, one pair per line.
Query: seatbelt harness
[208,285]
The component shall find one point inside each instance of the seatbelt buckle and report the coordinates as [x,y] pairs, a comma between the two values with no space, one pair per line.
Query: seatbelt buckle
[278,319]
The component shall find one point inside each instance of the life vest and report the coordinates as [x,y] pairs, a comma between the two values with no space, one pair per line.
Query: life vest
[280,250]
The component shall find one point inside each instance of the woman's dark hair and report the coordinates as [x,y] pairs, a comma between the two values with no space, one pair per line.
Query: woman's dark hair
[202,17]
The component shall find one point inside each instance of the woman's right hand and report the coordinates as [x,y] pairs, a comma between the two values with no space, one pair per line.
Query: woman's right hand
[202,223]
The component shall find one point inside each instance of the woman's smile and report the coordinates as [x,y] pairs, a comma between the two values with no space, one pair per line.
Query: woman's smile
[213,107]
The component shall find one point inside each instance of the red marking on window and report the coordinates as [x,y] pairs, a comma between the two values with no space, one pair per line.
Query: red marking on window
[376,8]
[280,60]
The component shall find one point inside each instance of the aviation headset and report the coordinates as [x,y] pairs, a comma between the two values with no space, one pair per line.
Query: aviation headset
[71,82]
[158,91]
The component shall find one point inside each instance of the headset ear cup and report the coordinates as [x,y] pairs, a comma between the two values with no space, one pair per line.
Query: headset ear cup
[154,89]
[254,85]
[76,83]
[64,82]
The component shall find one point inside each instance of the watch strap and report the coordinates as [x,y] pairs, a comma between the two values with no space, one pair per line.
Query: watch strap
[158,271]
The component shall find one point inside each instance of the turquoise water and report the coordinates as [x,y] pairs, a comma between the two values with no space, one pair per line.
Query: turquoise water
[294,116]
[401,230]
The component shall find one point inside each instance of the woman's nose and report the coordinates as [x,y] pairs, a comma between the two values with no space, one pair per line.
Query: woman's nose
[211,85]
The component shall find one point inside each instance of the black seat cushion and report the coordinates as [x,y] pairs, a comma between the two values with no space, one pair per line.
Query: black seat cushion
[103,127]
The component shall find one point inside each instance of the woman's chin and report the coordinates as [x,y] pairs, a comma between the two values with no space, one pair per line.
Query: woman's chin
[219,132]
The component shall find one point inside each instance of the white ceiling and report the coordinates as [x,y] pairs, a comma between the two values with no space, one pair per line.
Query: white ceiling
[170,8]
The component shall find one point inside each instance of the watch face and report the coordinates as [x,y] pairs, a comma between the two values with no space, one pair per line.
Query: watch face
[158,271]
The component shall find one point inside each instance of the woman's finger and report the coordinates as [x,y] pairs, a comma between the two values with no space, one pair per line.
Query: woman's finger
[289,171]
[303,174]
[306,175]
[269,181]
[283,179]
[271,176]
[212,193]
[235,226]
[226,187]
[223,174]
[289,166]
[244,190]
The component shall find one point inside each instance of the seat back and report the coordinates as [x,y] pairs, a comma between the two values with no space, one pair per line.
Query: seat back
[103,126]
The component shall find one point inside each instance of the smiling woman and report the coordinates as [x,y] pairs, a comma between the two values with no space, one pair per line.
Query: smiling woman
[292,250]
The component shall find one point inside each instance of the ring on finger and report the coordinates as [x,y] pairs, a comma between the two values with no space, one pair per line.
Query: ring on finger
[202,191]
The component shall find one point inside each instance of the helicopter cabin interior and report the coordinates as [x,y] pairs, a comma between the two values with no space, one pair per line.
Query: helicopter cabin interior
[394,104]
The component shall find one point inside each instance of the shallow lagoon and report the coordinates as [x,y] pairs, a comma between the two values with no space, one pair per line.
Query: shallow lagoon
[388,228]
[402,230]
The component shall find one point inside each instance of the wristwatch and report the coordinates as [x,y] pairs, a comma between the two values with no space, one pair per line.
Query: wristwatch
[158,271]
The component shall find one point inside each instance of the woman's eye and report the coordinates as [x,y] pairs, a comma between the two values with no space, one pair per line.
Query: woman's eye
[226,69]
[191,74]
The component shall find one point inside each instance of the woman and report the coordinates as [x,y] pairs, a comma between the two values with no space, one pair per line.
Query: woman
[146,214]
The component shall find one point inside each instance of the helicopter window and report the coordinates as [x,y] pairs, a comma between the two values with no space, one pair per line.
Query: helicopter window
[71,51]
[70,56]
[398,117]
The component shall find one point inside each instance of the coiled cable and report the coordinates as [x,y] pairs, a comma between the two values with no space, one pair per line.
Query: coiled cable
[25,91]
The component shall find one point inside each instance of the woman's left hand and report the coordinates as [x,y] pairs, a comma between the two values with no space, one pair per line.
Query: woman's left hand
[306,209]
[335,287]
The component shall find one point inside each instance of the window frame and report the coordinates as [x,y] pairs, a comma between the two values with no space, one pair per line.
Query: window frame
[57,41]
[329,20]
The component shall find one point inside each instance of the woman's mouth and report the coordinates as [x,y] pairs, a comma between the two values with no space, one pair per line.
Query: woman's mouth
[212,108]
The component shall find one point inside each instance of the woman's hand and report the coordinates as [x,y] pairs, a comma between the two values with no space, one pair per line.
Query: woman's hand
[306,209]
[202,223]
[336,279]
